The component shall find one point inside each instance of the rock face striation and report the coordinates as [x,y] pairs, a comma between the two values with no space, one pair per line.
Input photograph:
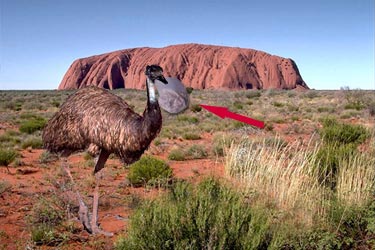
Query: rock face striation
[196,65]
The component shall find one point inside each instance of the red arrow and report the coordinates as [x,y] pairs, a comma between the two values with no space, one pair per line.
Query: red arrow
[223,112]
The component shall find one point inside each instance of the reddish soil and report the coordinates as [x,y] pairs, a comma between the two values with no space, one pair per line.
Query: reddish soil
[32,182]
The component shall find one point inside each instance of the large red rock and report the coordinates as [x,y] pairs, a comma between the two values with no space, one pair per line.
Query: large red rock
[198,66]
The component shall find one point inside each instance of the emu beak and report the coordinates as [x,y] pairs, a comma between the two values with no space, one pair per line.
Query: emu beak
[162,79]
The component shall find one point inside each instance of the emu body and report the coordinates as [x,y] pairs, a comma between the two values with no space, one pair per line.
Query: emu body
[95,117]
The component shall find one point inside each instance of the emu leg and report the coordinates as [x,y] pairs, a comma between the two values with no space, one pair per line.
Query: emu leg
[103,156]
[83,211]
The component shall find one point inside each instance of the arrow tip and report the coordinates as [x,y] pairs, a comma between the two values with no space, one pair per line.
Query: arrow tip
[217,110]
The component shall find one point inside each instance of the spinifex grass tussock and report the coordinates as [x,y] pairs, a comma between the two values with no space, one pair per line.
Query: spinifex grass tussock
[279,174]
[7,156]
[33,124]
[356,180]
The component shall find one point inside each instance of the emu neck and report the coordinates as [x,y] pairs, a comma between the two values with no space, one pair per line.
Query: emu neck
[151,96]
[152,119]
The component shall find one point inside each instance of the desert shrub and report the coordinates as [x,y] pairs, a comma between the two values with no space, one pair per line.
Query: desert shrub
[355,98]
[7,156]
[253,94]
[340,143]
[177,155]
[186,118]
[191,136]
[149,170]
[10,138]
[55,103]
[46,221]
[351,227]
[209,216]
[278,104]
[311,94]
[196,152]
[32,125]
[295,118]
[356,106]
[238,105]
[195,108]
[12,105]
[189,90]
[323,109]
[238,124]
[47,157]
[33,142]
[329,158]
[341,133]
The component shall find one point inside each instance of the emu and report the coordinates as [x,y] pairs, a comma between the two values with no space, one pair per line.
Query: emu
[93,117]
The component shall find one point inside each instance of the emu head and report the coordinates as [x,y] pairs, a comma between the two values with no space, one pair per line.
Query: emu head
[155,72]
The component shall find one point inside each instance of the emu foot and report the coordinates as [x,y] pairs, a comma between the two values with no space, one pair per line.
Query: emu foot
[86,219]
[85,216]
[97,230]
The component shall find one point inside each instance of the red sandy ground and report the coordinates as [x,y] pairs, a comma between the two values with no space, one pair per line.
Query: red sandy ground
[29,183]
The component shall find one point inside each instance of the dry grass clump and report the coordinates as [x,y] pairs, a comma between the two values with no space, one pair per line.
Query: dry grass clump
[279,174]
[355,181]
[290,178]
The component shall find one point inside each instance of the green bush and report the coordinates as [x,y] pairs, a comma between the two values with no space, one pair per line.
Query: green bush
[9,139]
[7,156]
[191,136]
[356,106]
[186,118]
[149,170]
[189,90]
[45,235]
[341,133]
[209,216]
[196,108]
[237,105]
[46,220]
[197,152]
[177,155]
[329,158]
[32,142]
[278,104]
[253,94]
[340,142]
[32,125]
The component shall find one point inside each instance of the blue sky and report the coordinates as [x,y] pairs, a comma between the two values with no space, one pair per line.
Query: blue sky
[332,41]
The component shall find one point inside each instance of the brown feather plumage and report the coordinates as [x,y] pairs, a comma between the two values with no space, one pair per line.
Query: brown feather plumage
[94,116]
